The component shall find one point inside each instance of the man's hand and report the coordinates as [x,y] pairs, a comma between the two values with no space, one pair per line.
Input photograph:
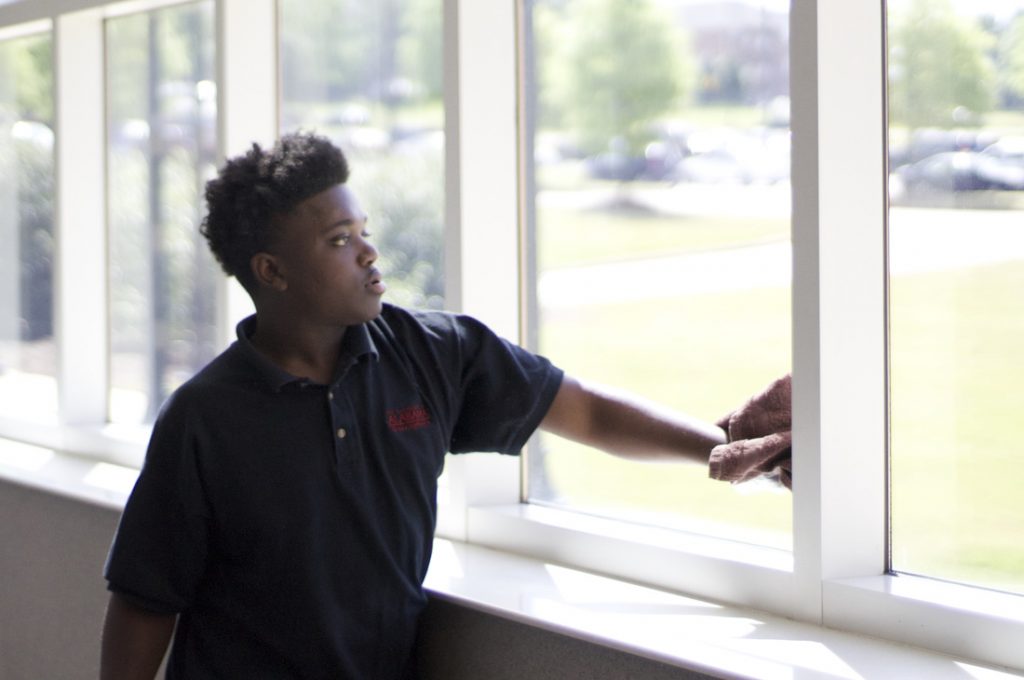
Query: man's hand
[759,438]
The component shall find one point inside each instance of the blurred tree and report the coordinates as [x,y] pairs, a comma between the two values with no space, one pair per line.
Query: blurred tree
[128,44]
[404,201]
[420,47]
[127,66]
[550,27]
[162,142]
[624,66]
[331,49]
[941,72]
[29,63]
[30,60]
[350,65]
[1011,60]
[35,202]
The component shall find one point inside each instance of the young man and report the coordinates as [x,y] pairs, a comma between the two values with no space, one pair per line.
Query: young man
[282,523]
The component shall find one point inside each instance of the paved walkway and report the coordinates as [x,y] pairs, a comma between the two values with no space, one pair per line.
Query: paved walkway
[921,240]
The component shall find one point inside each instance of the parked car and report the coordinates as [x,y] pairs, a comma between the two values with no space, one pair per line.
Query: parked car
[1007,149]
[712,167]
[740,164]
[952,171]
[927,142]
[615,165]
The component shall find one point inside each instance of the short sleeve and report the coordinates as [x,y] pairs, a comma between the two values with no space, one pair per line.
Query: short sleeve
[159,551]
[505,391]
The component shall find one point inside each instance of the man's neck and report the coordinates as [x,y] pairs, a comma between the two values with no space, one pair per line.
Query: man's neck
[304,350]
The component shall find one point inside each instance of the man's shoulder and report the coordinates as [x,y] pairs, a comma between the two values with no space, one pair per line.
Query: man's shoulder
[228,367]
[411,316]
[225,371]
[403,324]
[406,320]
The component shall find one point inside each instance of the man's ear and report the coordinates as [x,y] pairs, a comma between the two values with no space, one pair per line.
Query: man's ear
[267,272]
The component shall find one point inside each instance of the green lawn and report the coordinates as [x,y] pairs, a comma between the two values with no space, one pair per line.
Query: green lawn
[663,358]
[958,458]
[957,463]
[696,354]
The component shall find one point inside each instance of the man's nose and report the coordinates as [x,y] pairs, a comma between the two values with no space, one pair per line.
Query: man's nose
[368,255]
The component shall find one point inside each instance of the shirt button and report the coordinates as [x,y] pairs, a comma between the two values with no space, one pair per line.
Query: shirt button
[330,395]
[341,433]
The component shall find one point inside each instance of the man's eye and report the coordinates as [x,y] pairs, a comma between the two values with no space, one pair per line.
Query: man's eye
[341,239]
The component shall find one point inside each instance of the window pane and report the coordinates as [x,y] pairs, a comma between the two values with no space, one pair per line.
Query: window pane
[162,149]
[660,234]
[368,75]
[956,242]
[27,349]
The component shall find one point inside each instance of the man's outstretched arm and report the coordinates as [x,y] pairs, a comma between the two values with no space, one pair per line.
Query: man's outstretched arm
[628,427]
[134,641]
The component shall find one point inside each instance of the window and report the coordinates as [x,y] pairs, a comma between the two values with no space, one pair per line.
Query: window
[956,81]
[659,226]
[369,76]
[28,364]
[162,145]
[382,92]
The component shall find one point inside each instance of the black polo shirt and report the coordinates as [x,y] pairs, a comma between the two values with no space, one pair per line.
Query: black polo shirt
[290,523]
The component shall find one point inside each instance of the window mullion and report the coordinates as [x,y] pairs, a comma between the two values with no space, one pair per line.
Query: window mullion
[807,545]
[248,103]
[851,85]
[481,255]
[839,292]
[81,309]
[482,141]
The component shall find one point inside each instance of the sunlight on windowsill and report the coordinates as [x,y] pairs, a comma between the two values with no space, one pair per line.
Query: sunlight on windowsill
[670,627]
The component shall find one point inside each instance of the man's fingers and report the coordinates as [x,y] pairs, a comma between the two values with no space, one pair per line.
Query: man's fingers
[748,458]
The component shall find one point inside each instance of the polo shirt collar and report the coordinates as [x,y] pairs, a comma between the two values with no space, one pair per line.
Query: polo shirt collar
[356,344]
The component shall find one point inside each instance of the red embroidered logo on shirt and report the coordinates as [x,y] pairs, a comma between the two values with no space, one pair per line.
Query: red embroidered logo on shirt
[410,418]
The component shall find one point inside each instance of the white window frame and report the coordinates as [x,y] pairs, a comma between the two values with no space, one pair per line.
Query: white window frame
[247,100]
[837,574]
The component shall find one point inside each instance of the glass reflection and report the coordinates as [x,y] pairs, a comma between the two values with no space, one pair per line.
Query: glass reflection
[660,225]
[956,242]
[369,76]
[27,350]
[161,150]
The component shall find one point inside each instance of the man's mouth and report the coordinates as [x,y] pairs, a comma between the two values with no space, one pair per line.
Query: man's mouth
[376,284]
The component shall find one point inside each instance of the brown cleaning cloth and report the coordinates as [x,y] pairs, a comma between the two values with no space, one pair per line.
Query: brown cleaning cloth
[759,436]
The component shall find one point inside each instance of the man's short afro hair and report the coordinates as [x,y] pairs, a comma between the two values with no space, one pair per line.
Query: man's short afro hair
[251,189]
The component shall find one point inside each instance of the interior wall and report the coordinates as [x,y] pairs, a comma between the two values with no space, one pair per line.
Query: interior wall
[53,598]
[52,593]
[459,643]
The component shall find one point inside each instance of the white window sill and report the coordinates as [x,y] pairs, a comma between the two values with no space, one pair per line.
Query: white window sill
[662,625]
[680,631]
[121,444]
[960,620]
[678,561]
[89,480]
